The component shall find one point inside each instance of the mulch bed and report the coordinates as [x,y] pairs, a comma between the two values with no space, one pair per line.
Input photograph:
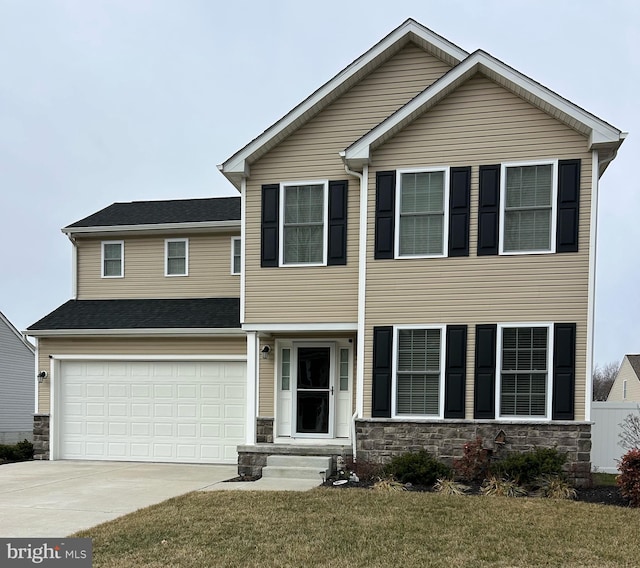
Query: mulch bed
[600,494]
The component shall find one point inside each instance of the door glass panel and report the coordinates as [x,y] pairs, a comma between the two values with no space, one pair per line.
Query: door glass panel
[344,369]
[313,367]
[285,370]
[313,384]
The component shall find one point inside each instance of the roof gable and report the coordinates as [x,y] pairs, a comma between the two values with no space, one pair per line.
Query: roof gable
[238,166]
[14,331]
[156,214]
[601,135]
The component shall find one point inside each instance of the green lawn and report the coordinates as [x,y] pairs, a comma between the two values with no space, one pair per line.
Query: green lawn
[362,528]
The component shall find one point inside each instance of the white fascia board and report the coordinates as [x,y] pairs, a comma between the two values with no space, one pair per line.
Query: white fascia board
[600,131]
[143,357]
[299,327]
[157,332]
[237,165]
[202,225]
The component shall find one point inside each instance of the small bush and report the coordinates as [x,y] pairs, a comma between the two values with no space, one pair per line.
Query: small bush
[629,478]
[388,485]
[450,487]
[525,467]
[419,468]
[366,471]
[499,487]
[22,451]
[474,463]
[554,487]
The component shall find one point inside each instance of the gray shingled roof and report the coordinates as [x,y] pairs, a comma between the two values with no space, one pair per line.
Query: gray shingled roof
[160,212]
[635,364]
[201,313]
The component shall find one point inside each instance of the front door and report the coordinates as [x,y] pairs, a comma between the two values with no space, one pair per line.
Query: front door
[314,396]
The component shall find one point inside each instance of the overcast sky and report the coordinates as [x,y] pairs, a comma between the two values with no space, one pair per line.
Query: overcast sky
[121,100]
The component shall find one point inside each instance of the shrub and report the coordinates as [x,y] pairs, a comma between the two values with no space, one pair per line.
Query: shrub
[630,431]
[450,487]
[22,451]
[419,468]
[525,467]
[474,463]
[388,485]
[554,487]
[499,487]
[366,471]
[629,478]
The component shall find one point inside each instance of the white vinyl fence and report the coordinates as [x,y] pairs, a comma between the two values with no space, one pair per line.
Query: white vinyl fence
[606,418]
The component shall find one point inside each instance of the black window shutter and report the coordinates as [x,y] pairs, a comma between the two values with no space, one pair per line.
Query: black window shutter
[382,358]
[488,210]
[568,205]
[459,210]
[485,370]
[337,245]
[269,229]
[455,371]
[564,371]
[385,214]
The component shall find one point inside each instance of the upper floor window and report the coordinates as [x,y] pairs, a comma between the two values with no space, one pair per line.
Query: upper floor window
[303,227]
[528,207]
[236,255]
[524,376]
[113,259]
[421,211]
[419,371]
[176,257]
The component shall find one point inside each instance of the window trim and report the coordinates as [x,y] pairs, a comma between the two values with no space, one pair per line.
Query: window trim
[233,255]
[102,246]
[394,372]
[554,205]
[325,228]
[166,257]
[445,224]
[549,386]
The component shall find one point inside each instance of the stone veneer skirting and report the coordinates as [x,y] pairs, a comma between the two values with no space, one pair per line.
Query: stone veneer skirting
[264,430]
[41,437]
[379,439]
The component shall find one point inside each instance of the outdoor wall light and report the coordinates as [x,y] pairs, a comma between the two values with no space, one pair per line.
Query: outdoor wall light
[265,352]
[42,375]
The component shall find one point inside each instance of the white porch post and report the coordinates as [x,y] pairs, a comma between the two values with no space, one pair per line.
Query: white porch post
[252,382]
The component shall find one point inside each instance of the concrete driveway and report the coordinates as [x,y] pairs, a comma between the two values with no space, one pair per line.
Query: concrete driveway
[58,498]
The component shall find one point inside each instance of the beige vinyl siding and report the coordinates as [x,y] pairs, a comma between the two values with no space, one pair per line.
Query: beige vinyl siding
[144,265]
[480,124]
[326,294]
[625,373]
[165,346]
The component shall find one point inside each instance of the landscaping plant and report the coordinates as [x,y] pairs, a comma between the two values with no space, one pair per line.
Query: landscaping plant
[502,487]
[474,463]
[629,478]
[22,451]
[525,467]
[419,468]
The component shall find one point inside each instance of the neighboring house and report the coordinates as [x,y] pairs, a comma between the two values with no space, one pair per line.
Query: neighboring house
[626,386]
[416,269]
[17,379]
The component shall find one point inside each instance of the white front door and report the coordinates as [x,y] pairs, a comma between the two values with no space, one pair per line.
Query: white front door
[314,390]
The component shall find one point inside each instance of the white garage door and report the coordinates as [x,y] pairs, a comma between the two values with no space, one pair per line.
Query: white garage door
[160,411]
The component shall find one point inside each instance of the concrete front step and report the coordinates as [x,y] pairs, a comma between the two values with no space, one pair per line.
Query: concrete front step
[297,467]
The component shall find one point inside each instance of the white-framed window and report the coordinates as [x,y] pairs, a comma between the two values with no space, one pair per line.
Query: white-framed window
[624,389]
[303,223]
[418,378]
[113,259]
[524,373]
[176,257]
[422,220]
[236,255]
[528,196]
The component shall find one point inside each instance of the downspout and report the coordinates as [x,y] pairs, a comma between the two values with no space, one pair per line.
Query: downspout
[362,273]
[74,267]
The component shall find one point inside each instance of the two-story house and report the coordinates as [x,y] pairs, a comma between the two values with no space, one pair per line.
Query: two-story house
[417,265]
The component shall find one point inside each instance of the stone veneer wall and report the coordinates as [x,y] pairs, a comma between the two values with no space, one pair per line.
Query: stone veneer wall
[379,439]
[41,437]
[264,430]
